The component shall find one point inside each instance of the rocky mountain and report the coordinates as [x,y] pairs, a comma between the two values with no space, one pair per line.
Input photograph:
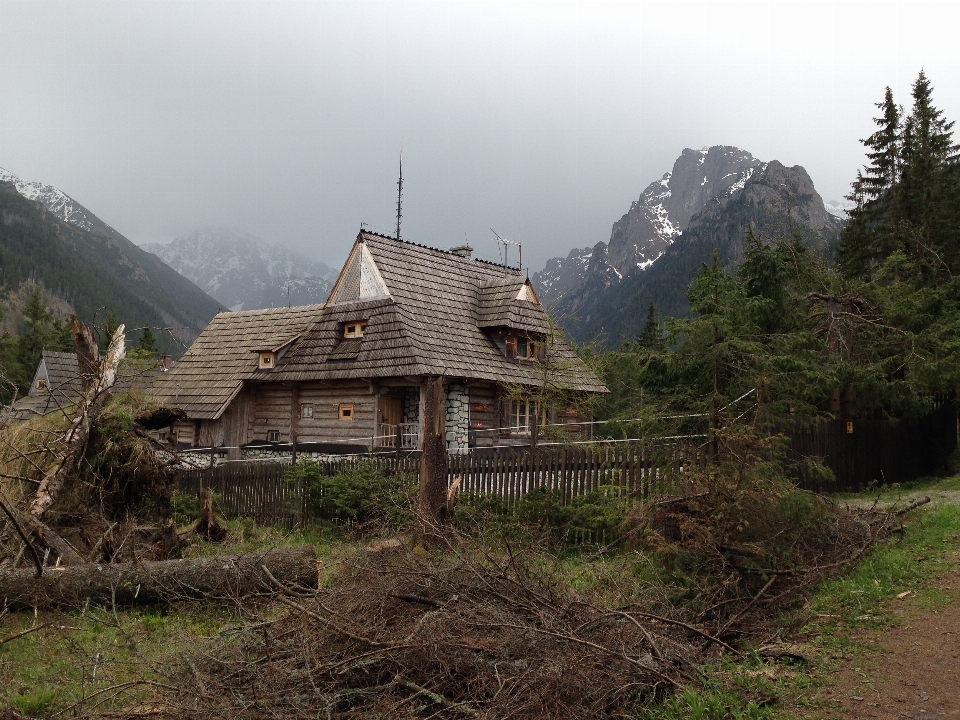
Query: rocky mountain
[59,204]
[49,238]
[653,222]
[244,272]
[707,202]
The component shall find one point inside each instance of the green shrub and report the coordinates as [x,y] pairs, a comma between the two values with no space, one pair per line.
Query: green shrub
[36,703]
[361,494]
[185,506]
[593,516]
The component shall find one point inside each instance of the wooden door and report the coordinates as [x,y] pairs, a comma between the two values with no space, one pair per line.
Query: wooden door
[391,410]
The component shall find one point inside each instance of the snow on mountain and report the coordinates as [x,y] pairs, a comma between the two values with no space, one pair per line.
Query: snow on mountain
[58,203]
[839,208]
[653,222]
[241,271]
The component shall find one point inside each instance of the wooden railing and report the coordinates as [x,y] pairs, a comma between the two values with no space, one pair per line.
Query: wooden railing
[409,436]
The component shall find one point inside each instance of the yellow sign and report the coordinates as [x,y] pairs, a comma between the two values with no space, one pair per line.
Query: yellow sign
[849,428]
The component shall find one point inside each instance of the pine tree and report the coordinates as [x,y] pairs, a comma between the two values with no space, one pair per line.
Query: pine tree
[651,336]
[110,327]
[148,343]
[927,190]
[869,235]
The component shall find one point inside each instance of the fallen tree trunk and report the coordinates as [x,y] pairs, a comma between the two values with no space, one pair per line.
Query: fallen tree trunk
[221,577]
[96,392]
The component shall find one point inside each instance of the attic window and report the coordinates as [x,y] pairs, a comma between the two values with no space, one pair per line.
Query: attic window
[354,329]
[346,412]
[526,348]
[266,360]
[41,384]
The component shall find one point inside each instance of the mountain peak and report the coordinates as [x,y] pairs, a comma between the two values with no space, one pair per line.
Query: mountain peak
[655,220]
[707,202]
[59,204]
[242,271]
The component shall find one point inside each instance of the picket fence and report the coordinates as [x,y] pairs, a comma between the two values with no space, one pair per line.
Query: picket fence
[259,491]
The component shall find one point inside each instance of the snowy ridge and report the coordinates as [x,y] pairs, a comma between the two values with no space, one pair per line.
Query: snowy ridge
[654,221]
[243,272]
[54,200]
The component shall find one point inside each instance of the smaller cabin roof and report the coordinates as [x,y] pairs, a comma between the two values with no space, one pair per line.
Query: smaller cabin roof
[212,371]
[61,373]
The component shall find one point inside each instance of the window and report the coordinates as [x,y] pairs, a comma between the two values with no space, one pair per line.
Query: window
[526,348]
[273,436]
[306,411]
[41,384]
[523,347]
[346,412]
[266,360]
[522,414]
[354,329]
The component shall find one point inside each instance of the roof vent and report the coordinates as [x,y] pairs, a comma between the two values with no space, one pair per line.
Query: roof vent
[464,251]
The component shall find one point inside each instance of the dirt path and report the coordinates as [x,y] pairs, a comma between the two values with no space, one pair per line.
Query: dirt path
[914,674]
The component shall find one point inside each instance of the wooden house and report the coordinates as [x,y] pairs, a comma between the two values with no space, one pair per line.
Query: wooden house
[346,376]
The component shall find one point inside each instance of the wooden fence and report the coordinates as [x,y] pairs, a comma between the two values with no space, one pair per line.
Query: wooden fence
[868,451]
[258,489]
[861,452]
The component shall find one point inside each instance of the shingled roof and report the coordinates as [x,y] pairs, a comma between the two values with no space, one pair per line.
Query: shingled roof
[61,372]
[427,311]
[209,375]
[511,302]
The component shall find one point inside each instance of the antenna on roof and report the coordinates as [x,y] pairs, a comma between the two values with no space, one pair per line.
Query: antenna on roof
[399,193]
[505,244]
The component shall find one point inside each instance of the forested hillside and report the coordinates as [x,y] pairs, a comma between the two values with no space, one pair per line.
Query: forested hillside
[95,275]
[877,335]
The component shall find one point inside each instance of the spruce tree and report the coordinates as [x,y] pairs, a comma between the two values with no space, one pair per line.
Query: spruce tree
[148,343]
[927,189]
[870,233]
[650,337]
[110,327]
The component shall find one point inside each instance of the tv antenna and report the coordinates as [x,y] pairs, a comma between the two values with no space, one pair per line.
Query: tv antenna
[399,193]
[507,243]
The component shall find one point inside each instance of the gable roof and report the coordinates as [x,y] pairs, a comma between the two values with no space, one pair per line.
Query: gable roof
[427,315]
[212,371]
[61,371]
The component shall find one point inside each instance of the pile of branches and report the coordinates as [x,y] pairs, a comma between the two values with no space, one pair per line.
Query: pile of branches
[744,544]
[460,632]
[66,491]
[475,629]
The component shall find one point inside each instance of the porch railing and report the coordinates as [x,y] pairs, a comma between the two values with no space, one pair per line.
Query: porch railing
[409,436]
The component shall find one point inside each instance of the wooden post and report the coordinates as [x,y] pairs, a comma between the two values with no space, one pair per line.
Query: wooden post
[294,419]
[433,458]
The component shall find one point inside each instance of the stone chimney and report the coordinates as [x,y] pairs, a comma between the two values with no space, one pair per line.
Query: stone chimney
[464,251]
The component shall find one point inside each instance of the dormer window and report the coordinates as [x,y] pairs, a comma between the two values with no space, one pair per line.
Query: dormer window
[267,360]
[526,348]
[354,329]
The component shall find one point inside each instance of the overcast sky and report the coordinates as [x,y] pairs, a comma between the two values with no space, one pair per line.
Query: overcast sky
[542,120]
